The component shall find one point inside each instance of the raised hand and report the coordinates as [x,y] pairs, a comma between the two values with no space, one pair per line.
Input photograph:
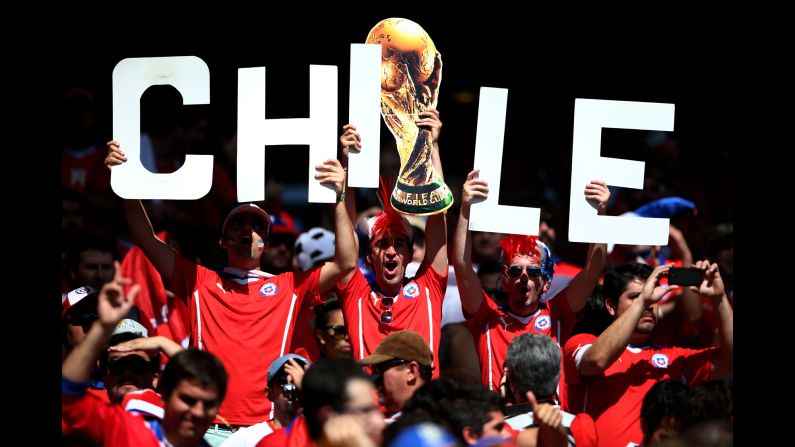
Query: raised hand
[113,305]
[115,155]
[474,188]
[430,119]
[331,173]
[712,284]
[597,194]
[350,139]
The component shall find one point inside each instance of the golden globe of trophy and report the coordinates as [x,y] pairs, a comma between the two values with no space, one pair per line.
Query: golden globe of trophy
[411,71]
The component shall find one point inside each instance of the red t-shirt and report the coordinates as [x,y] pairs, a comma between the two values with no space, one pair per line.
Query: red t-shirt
[110,425]
[418,307]
[247,323]
[294,435]
[84,170]
[493,329]
[614,397]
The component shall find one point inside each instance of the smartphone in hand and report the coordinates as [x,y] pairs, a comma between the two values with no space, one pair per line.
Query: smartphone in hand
[685,276]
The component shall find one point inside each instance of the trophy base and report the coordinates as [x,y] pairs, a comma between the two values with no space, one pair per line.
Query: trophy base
[421,200]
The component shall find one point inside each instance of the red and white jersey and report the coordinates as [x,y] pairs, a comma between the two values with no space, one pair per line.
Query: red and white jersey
[614,397]
[418,307]
[247,322]
[493,330]
[84,170]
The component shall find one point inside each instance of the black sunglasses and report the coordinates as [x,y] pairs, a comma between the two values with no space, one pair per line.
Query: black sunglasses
[515,271]
[137,366]
[379,369]
[81,318]
[386,314]
[338,330]
[256,224]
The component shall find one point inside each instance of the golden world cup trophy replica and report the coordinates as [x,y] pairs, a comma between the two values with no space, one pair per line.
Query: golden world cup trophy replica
[411,71]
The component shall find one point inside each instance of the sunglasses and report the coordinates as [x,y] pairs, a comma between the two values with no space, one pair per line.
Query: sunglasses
[386,314]
[379,369]
[256,224]
[515,271]
[137,366]
[337,330]
[81,318]
[290,392]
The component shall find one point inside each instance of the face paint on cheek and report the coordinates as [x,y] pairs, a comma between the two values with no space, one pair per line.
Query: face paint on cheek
[260,246]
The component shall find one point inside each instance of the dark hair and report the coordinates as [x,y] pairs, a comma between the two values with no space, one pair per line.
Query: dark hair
[195,366]
[708,402]
[84,243]
[448,404]
[666,399]
[595,318]
[470,407]
[326,384]
[533,363]
[616,282]
[154,361]
[322,311]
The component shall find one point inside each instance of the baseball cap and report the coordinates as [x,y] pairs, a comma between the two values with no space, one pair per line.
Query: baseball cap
[246,208]
[278,364]
[404,345]
[129,326]
[70,299]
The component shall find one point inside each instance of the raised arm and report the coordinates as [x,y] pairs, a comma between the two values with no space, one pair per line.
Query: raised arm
[157,344]
[712,287]
[112,307]
[582,285]
[436,226]
[468,283]
[160,254]
[344,262]
[611,343]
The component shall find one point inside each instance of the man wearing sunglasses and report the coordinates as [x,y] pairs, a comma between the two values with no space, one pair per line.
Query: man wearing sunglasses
[330,331]
[128,371]
[243,315]
[284,391]
[401,363]
[526,275]
[393,302]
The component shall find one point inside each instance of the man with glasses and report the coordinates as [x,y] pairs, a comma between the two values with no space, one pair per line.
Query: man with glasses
[401,363]
[330,331]
[127,371]
[526,275]
[339,409]
[393,302]
[284,391]
[243,315]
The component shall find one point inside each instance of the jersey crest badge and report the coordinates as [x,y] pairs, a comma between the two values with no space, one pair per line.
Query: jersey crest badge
[411,290]
[543,323]
[659,360]
[268,289]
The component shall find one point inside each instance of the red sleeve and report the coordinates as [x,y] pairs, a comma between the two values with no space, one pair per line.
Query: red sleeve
[570,351]
[436,282]
[560,308]
[306,285]
[277,438]
[583,429]
[697,364]
[476,321]
[93,417]
[351,288]
[185,276]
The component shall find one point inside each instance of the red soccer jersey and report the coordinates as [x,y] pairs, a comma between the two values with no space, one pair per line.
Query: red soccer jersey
[493,329]
[245,322]
[294,435]
[85,171]
[107,424]
[418,307]
[614,397]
